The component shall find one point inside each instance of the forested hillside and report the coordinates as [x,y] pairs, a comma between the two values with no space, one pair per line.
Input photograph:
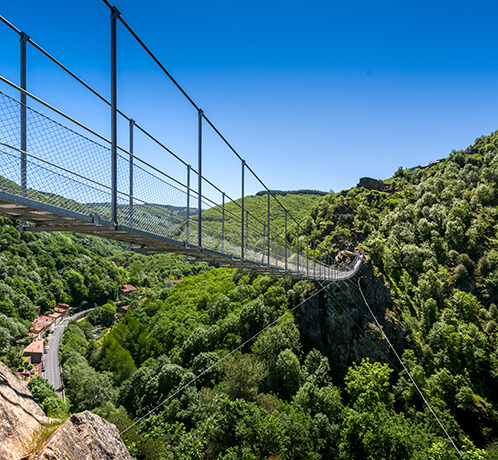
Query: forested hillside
[44,270]
[431,240]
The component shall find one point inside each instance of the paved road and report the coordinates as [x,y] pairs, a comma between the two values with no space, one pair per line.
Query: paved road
[51,358]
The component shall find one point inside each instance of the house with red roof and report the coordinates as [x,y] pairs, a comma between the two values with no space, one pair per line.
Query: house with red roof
[127,289]
[35,351]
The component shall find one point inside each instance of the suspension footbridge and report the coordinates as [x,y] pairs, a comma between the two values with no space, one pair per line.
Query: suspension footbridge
[56,174]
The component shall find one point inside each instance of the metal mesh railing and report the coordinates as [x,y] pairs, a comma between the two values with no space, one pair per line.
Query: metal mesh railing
[71,171]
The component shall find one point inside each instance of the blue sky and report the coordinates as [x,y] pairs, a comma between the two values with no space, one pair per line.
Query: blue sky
[313,95]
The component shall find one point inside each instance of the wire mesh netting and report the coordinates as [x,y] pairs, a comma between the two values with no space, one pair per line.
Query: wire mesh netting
[71,171]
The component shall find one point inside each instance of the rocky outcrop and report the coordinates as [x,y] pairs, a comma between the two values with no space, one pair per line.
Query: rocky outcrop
[23,430]
[337,322]
[20,416]
[85,436]
[470,150]
[372,184]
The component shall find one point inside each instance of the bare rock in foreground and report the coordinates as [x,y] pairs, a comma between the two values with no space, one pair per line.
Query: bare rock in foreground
[23,427]
[20,416]
[85,436]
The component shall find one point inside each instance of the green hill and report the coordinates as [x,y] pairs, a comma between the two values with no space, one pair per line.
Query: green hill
[297,204]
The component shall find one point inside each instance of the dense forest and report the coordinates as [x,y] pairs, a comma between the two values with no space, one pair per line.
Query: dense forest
[431,274]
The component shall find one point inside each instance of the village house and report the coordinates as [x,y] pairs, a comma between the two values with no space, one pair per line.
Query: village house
[35,351]
[122,310]
[126,290]
[39,327]
[57,317]
[63,308]
[46,318]
[64,312]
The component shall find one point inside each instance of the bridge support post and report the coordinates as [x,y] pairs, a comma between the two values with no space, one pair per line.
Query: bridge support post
[297,247]
[320,262]
[247,232]
[188,206]
[223,222]
[307,258]
[268,224]
[242,202]
[132,123]
[276,253]
[264,246]
[314,259]
[285,254]
[199,183]
[114,125]
[24,179]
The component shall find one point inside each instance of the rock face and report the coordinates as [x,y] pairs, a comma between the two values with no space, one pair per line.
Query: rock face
[20,416]
[85,436]
[337,322]
[82,436]
[372,184]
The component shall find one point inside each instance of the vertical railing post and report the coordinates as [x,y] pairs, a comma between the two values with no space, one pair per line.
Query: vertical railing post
[242,203]
[247,232]
[132,123]
[285,254]
[223,222]
[199,182]
[314,259]
[320,262]
[188,206]
[276,253]
[297,247]
[307,258]
[24,144]
[264,246]
[268,224]
[114,120]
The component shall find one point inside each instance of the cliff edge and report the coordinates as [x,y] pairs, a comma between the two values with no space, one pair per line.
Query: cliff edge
[24,433]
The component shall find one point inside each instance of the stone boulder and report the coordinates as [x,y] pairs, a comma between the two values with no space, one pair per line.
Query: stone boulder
[85,436]
[372,184]
[20,416]
[24,434]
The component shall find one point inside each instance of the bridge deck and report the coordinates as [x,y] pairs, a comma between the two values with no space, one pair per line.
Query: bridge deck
[51,218]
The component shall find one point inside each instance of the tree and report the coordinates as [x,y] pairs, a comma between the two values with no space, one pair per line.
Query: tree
[46,397]
[107,315]
[253,318]
[242,376]
[5,339]
[88,388]
[116,359]
[54,407]
[289,372]
[41,389]
[316,368]
[368,385]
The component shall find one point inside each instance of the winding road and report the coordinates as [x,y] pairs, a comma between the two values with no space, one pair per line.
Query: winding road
[51,359]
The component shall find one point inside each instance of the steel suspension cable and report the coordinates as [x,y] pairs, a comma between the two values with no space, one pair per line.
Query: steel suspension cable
[12,26]
[137,125]
[175,82]
[62,66]
[406,370]
[184,92]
